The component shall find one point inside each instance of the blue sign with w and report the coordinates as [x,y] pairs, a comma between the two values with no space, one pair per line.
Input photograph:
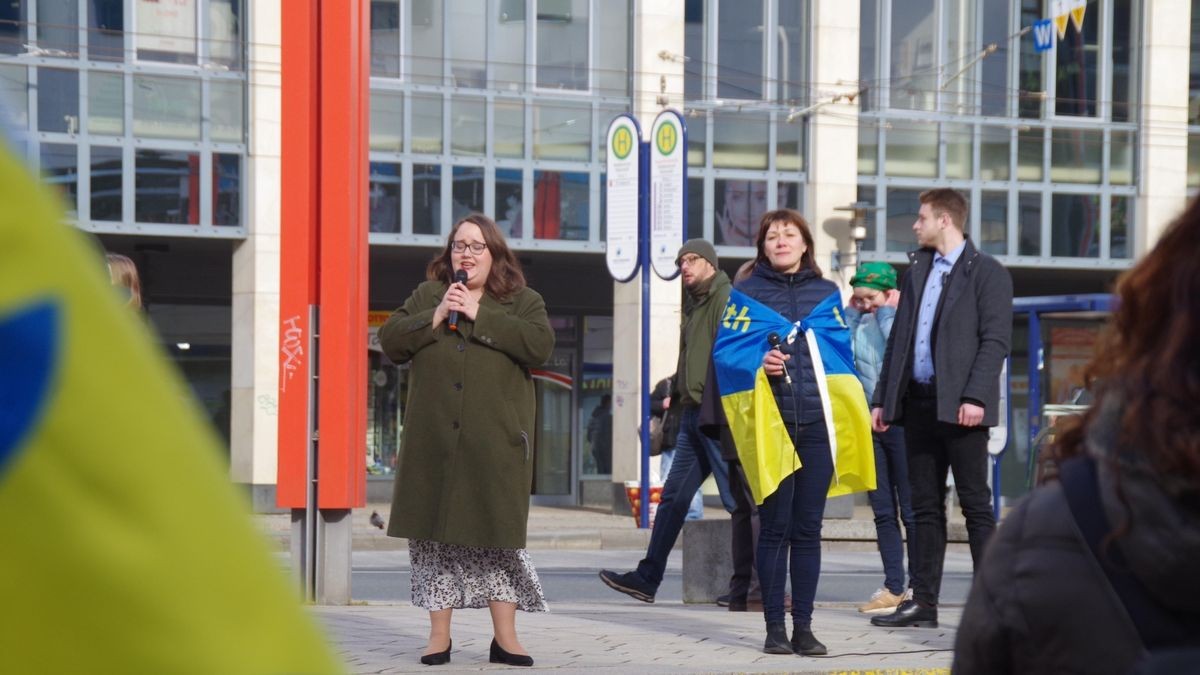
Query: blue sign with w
[1043,35]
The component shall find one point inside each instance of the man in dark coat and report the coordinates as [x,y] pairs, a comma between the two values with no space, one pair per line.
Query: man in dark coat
[696,455]
[941,380]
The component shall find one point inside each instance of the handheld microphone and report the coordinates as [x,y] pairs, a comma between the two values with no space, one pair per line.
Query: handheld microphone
[773,339]
[460,277]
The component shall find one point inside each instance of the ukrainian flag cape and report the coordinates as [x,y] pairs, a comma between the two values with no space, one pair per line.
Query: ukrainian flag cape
[125,546]
[764,444]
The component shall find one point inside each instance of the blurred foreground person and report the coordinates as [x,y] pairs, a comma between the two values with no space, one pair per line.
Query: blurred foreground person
[124,276]
[471,333]
[1094,573]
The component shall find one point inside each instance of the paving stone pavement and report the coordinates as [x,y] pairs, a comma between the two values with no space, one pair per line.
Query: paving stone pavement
[622,638]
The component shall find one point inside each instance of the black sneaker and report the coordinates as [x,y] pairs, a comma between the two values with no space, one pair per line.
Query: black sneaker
[723,600]
[629,583]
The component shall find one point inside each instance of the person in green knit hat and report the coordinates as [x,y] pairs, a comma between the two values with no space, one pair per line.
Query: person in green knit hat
[870,314]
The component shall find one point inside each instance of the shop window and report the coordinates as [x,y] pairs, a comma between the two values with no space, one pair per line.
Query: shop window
[467,192]
[167,187]
[509,206]
[427,199]
[384,197]
[561,205]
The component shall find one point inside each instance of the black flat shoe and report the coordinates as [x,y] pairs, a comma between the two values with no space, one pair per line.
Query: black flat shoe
[807,644]
[438,658]
[910,613]
[777,640]
[498,655]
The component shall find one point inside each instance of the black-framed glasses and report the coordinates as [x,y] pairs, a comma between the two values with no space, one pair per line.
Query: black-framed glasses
[460,246]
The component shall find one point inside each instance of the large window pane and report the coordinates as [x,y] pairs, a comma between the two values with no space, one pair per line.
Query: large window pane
[866,194]
[914,68]
[424,48]
[509,203]
[58,100]
[737,206]
[740,140]
[387,121]
[225,33]
[960,45]
[1076,67]
[789,145]
[427,124]
[1029,154]
[868,148]
[1193,165]
[868,56]
[167,187]
[693,49]
[14,94]
[427,199]
[1029,223]
[384,197]
[788,195]
[106,103]
[1075,226]
[562,44]
[509,129]
[959,139]
[466,194]
[468,126]
[60,167]
[1029,79]
[912,150]
[58,27]
[697,139]
[560,205]
[1120,219]
[166,32]
[1075,155]
[902,207]
[166,107]
[993,153]
[106,183]
[740,49]
[612,53]
[695,208]
[1124,80]
[106,30]
[13,20]
[562,132]
[993,222]
[791,48]
[508,45]
[385,38]
[467,50]
[1121,151]
[993,89]
[227,183]
[228,110]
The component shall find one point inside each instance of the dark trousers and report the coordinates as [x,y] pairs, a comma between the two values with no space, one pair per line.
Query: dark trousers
[696,456]
[743,585]
[791,528]
[892,497]
[934,447]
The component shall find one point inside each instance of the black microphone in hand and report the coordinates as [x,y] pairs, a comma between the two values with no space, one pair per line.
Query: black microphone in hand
[773,339]
[460,277]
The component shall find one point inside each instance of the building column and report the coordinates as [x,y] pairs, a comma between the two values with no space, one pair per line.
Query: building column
[833,156]
[1162,144]
[254,422]
[658,28]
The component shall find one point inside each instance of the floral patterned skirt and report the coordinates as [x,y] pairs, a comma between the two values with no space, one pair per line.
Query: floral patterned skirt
[449,576]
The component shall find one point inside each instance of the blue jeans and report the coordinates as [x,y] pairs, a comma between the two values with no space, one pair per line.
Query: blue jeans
[696,456]
[791,528]
[696,507]
[891,491]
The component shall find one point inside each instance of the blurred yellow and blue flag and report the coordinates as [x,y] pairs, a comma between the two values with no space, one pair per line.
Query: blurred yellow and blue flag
[126,547]
[763,442]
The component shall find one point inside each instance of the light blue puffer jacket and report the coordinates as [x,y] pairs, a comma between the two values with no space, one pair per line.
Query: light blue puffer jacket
[869,334]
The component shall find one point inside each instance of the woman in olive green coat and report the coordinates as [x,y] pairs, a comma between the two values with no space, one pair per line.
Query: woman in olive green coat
[461,495]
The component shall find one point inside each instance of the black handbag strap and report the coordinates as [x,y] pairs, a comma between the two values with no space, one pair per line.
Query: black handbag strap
[1157,626]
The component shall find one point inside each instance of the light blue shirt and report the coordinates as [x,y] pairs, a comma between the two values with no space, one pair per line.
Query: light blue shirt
[922,352]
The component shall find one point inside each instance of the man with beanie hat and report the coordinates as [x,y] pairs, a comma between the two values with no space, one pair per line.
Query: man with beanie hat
[870,314]
[696,455]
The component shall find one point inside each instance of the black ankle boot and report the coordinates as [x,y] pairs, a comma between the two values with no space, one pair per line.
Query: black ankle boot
[498,655]
[438,658]
[805,643]
[777,639]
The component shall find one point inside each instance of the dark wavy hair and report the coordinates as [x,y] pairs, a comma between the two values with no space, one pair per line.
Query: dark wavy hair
[505,278]
[809,259]
[1149,358]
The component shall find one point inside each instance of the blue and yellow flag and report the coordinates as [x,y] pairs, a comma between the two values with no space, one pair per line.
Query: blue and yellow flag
[764,444]
[126,547]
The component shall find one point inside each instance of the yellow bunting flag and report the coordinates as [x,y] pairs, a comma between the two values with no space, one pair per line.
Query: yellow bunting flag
[1077,13]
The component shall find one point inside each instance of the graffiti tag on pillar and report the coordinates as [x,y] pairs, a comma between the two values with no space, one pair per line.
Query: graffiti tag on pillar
[292,349]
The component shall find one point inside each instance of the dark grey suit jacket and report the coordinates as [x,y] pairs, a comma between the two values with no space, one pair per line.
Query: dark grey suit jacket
[972,335]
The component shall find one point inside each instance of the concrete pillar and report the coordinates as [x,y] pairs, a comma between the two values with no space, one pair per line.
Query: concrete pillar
[1162,151]
[255,339]
[833,171]
[659,27]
